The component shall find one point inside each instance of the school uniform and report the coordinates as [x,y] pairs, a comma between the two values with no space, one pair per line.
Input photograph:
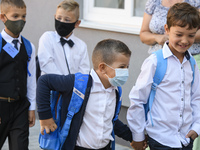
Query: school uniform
[53,57]
[92,126]
[17,93]
[175,109]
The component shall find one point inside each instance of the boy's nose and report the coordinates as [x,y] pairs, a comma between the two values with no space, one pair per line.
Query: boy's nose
[184,40]
[62,20]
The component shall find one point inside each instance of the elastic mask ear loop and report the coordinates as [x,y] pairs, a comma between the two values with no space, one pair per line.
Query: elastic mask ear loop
[6,16]
[111,68]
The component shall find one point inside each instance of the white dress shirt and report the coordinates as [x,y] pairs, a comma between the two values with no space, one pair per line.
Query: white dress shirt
[52,59]
[96,129]
[176,107]
[31,80]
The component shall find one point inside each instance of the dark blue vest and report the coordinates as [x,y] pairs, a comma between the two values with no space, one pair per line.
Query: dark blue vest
[13,73]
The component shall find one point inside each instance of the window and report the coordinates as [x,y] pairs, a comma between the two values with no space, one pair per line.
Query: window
[121,12]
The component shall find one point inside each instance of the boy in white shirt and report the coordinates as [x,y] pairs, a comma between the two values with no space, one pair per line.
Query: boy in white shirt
[92,126]
[60,51]
[175,113]
[17,77]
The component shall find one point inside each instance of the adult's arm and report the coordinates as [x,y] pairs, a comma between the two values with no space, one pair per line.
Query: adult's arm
[147,37]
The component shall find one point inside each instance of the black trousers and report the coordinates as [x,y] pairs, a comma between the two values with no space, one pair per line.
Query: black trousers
[154,145]
[105,148]
[14,124]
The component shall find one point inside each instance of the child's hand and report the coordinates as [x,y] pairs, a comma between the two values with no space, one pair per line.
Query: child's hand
[139,145]
[48,125]
[31,118]
[192,134]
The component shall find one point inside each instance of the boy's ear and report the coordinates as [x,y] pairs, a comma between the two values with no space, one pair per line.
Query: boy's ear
[2,17]
[102,68]
[166,28]
[77,23]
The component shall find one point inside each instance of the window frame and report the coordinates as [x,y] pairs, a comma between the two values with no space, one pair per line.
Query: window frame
[122,17]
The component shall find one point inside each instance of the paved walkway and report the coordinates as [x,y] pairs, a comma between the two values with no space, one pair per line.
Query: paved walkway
[33,139]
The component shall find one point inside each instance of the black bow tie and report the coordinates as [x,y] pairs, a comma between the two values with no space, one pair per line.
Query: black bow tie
[69,42]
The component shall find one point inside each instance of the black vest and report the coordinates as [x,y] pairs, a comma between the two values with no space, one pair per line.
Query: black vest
[13,73]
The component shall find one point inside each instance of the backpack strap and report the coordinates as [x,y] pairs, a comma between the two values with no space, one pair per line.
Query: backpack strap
[119,102]
[192,63]
[28,48]
[117,110]
[158,77]
[78,95]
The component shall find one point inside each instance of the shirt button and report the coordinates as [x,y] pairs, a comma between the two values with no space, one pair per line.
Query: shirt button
[181,67]
[182,81]
[182,99]
[180,115]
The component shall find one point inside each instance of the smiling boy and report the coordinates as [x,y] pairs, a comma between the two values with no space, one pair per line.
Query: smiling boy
[173,121]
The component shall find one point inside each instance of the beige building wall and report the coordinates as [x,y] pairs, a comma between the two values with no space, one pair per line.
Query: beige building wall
[40,18]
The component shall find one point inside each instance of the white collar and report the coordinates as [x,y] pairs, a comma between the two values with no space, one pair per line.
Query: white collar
[8,38]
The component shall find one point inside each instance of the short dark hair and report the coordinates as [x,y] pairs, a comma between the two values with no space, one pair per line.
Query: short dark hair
[106,50]
[5,4]
[183,14]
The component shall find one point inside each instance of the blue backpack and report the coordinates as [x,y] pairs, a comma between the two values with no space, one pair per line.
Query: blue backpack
[56,139]
[158,77]
[28,48]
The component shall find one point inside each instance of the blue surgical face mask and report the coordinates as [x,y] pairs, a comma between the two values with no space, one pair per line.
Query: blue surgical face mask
[121,76]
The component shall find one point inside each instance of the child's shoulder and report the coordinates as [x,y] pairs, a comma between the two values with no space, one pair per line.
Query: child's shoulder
[48,34]
[78,41]
[151,59]
[32,45]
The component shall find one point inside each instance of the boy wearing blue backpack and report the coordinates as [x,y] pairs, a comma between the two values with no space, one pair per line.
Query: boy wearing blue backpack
[93,126]
[168,86]
[17,77]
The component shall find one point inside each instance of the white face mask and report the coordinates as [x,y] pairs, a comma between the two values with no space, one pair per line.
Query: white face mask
[121,76]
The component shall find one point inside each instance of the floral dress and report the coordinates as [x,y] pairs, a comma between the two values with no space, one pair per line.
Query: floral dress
[159,19]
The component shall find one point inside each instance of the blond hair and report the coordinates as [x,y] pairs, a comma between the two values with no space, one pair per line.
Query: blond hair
[70,5]
[5,4]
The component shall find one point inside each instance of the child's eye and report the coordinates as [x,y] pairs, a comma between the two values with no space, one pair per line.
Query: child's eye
[178,35]
[58,18]
[24,16]
[15,16]
[191,35]
[123,67]
[67,20]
